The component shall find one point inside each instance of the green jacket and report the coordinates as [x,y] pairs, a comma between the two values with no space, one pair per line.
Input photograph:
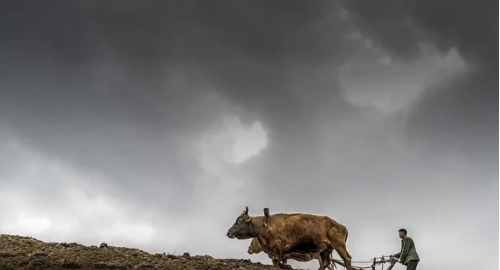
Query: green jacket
[408,251]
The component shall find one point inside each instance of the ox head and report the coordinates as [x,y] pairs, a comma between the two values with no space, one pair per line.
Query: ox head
[242,227]
[254,247]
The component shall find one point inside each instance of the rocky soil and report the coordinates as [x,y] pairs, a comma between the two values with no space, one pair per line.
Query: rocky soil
[19,252]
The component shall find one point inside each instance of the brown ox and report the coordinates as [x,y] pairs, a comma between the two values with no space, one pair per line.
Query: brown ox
[255,248]
[281,234]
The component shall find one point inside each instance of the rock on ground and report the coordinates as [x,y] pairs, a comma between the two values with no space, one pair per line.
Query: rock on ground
[26,253]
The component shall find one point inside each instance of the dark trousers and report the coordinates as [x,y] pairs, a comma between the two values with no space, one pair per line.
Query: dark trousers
[412,265]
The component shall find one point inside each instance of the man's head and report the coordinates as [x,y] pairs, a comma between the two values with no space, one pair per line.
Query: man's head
[402,233]
[254,247]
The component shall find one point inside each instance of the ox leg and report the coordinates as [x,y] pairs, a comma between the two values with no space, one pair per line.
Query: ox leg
[280,259]
[329,265]
[280,263]
[326,249]
[346,257]
[284,265]
[275,262]
[325,259]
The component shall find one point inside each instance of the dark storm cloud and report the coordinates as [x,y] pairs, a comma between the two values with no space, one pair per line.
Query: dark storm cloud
[470,27]
[245,48]
[259,54]
[460,115]
[97,82]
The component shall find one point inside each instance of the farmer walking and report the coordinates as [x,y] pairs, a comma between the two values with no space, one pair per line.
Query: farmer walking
[408,255]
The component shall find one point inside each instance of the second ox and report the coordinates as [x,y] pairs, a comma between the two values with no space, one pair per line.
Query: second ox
[255,248]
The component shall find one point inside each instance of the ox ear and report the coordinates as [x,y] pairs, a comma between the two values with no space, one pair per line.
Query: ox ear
[248,219]
[246,210]
[266,212]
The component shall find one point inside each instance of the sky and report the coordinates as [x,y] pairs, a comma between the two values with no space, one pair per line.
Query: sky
[152,124]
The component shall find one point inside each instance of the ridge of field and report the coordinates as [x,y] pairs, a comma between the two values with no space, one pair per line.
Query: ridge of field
[28,253]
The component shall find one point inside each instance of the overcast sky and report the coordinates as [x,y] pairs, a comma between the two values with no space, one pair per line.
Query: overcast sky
[152,124]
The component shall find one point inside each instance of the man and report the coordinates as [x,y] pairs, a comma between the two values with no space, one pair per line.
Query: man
[408,255]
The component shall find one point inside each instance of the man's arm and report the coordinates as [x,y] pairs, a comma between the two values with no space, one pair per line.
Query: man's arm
[405,250]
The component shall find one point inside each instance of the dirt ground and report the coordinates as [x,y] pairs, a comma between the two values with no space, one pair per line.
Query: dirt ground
[19,252]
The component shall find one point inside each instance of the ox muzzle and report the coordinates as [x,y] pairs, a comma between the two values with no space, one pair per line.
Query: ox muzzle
[230,235]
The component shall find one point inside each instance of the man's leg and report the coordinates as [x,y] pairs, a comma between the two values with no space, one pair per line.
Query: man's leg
[412,265]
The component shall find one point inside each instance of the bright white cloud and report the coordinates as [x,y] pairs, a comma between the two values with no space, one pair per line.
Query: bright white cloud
[81,207]
[234,142]
[28,223]
[249,141]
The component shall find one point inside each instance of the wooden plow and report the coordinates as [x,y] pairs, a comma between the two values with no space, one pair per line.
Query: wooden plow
[374,263]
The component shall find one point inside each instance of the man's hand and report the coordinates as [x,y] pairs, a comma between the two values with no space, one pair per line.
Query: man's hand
[396,259]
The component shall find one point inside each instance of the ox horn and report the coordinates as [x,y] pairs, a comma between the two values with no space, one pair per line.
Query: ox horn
[266,216]
[246,210]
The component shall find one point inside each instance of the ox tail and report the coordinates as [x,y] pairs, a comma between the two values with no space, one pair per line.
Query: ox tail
[346,234]
[345,241]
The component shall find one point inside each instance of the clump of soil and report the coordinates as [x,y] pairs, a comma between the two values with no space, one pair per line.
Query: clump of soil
[19,252]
